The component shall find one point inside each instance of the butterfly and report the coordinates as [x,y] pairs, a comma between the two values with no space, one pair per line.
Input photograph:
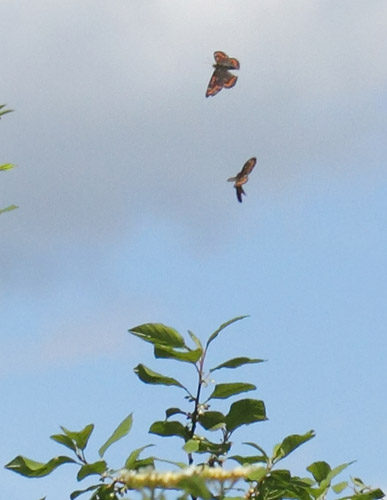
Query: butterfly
[221,77]
[242,177]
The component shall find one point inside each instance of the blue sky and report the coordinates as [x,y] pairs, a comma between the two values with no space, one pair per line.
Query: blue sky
[126,217]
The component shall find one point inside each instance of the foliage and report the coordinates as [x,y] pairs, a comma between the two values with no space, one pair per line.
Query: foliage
[208,472]
[4,111]
[6,166]
[8,209]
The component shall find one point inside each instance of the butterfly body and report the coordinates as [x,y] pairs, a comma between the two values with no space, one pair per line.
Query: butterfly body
[221,77]
[242,177]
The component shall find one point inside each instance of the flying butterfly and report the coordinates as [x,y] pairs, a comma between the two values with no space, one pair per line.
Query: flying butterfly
[221,77]
[242,177]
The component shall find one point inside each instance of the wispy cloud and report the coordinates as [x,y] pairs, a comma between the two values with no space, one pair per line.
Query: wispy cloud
[113,122]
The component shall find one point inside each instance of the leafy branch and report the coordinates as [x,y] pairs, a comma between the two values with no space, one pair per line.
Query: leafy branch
[256,475]
[6,166]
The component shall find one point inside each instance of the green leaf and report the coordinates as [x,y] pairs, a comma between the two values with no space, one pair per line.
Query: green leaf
[5,112]
[159,334]
[76,494]
[374,494]
[65,441]
[319,470]
[105,492]
[358,482]
[257,447]
[245,412]
[323,473]
[206,446]
[212,420]
[90,469]
[224,391]
[195,340]
[191,446]
[248,460]
[8,209]
[370,495]
[7,166]
[169,428]
[148,462]
[196,487]
[236,363]
[289,444]
[132,458]
[257,474]
[174,411]
[222,327]
[29,468]
[80,438]
[280,484]
[148,376]
[339,487]
[121,431]
[169,353]
[337,470]
[180,465]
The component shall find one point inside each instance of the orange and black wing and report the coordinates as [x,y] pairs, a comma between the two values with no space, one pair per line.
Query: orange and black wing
[234,63]
[224,61]
[229,80]
[221,78]
[248,166]
[220,57]
[215,84]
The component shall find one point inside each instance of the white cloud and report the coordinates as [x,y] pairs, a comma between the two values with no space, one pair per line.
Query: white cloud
[111,122]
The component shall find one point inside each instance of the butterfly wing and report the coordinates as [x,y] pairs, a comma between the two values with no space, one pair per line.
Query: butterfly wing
[239,192]
[229,80]
[221,78]
[224,61]
[215,84]
[248,167]
[234,63]
[220,58]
